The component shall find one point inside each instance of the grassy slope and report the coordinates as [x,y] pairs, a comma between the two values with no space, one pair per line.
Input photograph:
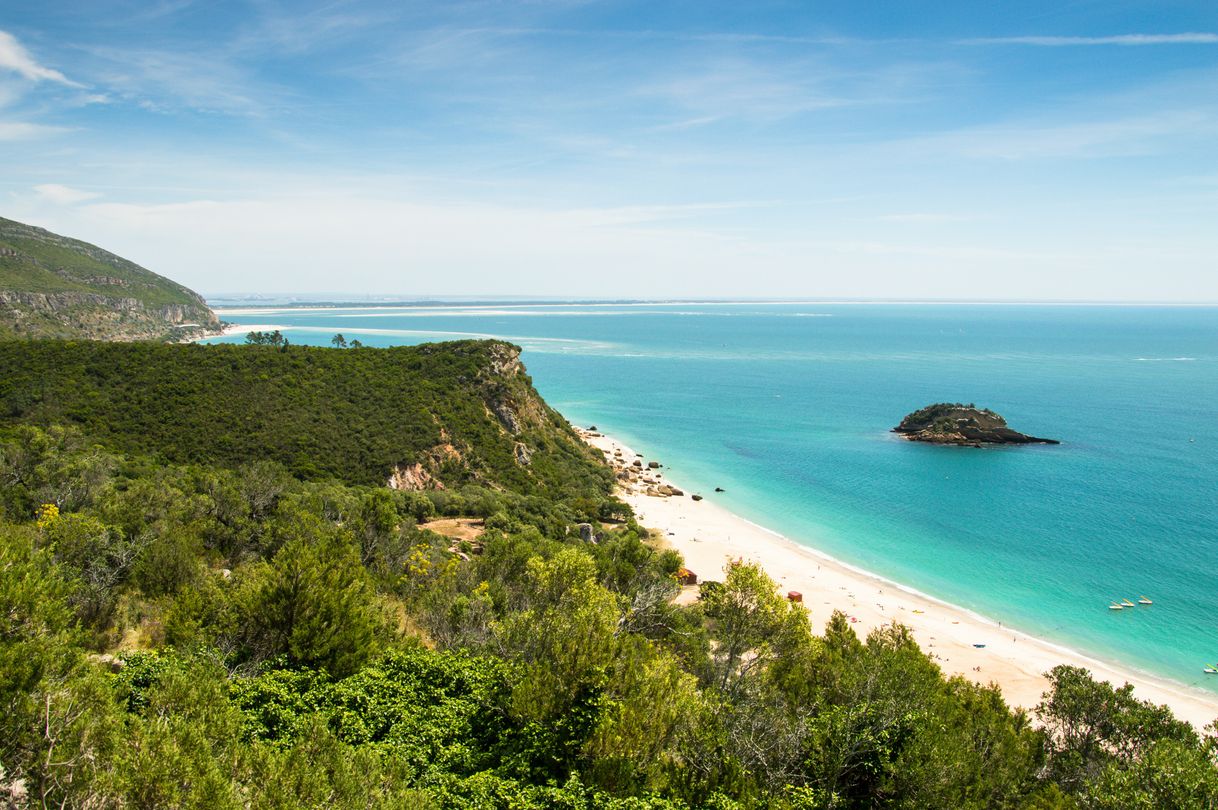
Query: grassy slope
[49,263]
[324,413]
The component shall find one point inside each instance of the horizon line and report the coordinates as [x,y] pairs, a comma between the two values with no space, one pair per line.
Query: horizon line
[339,300]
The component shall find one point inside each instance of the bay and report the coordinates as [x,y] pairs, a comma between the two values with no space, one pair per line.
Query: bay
[788,408]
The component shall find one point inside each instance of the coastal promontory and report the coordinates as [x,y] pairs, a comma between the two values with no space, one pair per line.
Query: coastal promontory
[52,286]
[968,425]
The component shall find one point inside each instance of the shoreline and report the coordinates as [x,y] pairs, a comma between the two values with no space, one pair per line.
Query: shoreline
[237,329]
[709,535]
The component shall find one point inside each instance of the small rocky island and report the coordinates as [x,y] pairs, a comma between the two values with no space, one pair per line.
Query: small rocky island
[966,425]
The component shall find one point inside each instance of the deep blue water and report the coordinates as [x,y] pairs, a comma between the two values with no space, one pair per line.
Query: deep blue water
[789,406]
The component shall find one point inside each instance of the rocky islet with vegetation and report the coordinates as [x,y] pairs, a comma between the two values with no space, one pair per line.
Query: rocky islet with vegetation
[959,424]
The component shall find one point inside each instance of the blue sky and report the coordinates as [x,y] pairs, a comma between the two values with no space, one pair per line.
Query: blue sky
[1064,150]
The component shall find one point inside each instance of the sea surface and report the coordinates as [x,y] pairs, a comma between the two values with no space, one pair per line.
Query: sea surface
[788,407]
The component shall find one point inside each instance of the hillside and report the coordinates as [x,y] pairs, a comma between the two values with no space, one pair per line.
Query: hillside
[428,416]
[53,286]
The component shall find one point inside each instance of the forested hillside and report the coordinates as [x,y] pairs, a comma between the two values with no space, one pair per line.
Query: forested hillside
[54,286]
[206,606]
[434,415]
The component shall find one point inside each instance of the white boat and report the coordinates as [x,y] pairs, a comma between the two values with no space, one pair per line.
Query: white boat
[1115,606]
[1210,669]
[1142,600]
[1126,603]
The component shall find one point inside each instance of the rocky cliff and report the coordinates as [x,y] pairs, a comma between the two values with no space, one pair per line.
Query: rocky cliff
[954,423]
[54,286]
[509,403]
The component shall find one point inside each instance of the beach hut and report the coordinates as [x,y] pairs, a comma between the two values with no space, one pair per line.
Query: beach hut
[686,577]
[795,596]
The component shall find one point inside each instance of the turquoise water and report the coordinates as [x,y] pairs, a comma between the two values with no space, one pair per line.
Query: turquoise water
[788,408]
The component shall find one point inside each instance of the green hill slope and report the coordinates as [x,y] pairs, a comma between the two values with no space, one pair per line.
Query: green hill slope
[53,286]
[426,416]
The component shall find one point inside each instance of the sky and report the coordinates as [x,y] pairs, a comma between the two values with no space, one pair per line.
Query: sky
[947,150]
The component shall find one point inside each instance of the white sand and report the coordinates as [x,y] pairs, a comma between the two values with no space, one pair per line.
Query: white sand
[708,536]
[246,328]
[234,329]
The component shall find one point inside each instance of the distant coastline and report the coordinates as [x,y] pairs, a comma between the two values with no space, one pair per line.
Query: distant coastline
[221,304]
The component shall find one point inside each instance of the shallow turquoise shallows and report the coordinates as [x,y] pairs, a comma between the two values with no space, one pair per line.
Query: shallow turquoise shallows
[788,408]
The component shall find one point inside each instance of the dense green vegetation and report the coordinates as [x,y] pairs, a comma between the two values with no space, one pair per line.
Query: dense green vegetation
[945,415]
[53,286]
[208,629]
[465,411]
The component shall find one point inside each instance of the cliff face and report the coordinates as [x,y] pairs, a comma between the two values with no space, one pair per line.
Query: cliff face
[953,423]
[516,415]
[53,286]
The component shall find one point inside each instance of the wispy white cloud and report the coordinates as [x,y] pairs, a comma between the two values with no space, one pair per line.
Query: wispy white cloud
[925,217]
[63,195]
[160,9]
[685,123]
[738,89]
[14,57]
[1189,38]
[1128,136]
[297,32]
[164,80]
[709,91]
[25,131]
[644,35]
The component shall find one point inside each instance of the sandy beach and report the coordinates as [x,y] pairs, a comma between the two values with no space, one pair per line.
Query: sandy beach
[239,329]
[961,642]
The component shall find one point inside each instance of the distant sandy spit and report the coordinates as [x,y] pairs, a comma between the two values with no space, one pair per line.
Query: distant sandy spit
[240,329]
[963,643]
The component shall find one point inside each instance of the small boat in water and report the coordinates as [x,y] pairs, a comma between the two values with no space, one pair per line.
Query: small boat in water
[1115,606]
[1142,600]
[1126,603]
[1210,669]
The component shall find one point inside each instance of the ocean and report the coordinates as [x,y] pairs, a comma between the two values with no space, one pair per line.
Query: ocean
[788,407]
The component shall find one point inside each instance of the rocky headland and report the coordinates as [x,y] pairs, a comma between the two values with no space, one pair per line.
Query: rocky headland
[52,286]
[966,425]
